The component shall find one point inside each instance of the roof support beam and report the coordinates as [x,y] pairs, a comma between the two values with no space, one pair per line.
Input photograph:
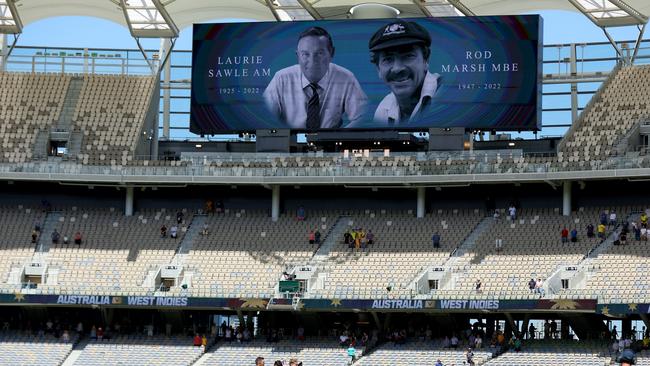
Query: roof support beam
[310,9]
[271,6]
[462,8]
[638,42]
[10,22]
[457,4]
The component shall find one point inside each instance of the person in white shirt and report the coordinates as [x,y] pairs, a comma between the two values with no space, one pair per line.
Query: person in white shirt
[612,218]
[512,211]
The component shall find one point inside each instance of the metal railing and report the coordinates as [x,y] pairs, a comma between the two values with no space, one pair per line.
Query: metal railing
[419,166]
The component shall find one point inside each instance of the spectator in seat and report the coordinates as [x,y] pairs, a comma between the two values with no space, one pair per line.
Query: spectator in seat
[590,231]
[179,217]
[260,361]
[477,285]
[163,231]
[539,286]
[312,237]
[603,218]
[93,333]
[77,238]
[478,342]
[277,363]
[612,218]
[344,339]
[34,236]
[601,231]
[205,230]
[197,340]
[531,285]
[204,343]
[173,232]
[616,237]
[626,358]
[438,363]
[435,239]
[358,234]
[294,362]
[66,336]
[470,357]
[565,235]
[347,238]
[352,353]
[512,211]
[637,231]
[219,207]
[55,237]
[66,240]
[453,342]
[623,238]
[100,334]
[300,214]
[317,236]
[574,235]
[644,220]
[495,215]
[370,237]
[517,344]
[499,244]
[209,206]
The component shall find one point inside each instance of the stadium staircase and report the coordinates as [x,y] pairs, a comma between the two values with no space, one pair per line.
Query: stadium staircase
[44,241]
[447,273]
[40,144]
[69,104]
[74,138]
[186,244]
[180,271]
[580,273]
[72,357]
[329,241]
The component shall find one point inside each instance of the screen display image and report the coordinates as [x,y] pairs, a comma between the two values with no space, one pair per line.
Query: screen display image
[406,74]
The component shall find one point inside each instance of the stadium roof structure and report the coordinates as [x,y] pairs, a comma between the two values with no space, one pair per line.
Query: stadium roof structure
[605,13]
[163,18]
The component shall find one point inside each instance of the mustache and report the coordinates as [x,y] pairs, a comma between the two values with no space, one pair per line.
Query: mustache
[398,75]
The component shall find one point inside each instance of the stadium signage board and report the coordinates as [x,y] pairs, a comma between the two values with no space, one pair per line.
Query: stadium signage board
[19,298]
[478,73]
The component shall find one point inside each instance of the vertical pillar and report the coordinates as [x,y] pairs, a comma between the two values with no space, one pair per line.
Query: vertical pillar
[566,198]
[128,205]
[3,42]
[86,55]
[167,74]
[574,86]
[626,327]
[275,202]
[421,196]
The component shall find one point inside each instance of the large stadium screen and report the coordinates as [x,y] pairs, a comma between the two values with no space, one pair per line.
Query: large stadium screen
[406,74]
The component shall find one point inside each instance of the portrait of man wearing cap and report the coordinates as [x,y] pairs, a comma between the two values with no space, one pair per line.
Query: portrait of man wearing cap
[315,93]
[400,50]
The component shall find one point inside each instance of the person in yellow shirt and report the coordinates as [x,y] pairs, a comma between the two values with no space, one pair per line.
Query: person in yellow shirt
[601,231]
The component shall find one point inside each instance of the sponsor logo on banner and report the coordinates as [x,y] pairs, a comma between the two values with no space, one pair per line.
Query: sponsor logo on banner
[469,304]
